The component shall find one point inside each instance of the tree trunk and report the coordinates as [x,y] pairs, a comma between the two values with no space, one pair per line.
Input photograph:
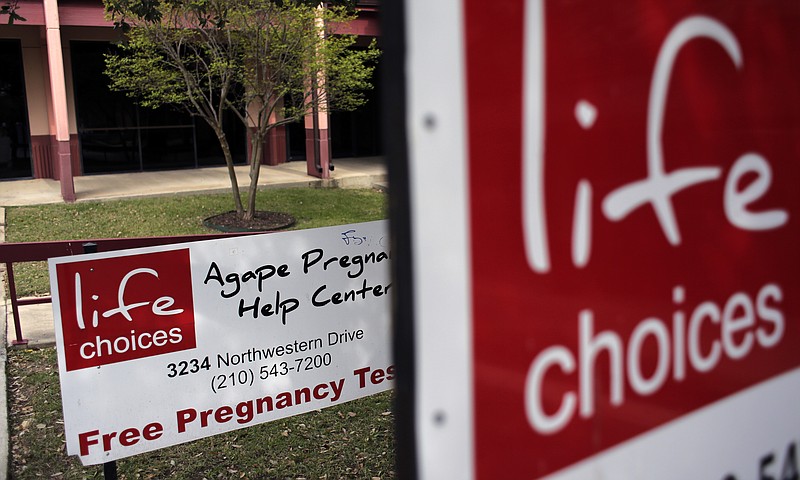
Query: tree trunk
[226,152]
[255,170]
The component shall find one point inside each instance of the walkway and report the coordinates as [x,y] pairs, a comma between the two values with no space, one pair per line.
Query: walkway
[351,172]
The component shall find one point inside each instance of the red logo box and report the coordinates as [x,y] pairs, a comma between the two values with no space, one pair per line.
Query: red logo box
[124,308]
[634,217]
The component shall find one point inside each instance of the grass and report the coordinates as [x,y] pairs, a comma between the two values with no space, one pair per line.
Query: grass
[178,215]
[351,441]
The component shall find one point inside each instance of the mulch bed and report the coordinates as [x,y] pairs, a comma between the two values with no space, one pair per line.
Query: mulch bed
[263,221]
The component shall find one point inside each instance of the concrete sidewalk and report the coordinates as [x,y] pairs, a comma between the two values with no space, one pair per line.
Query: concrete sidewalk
[37,320]
[348,173]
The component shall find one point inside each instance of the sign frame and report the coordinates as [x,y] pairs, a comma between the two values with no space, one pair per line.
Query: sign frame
[163,345]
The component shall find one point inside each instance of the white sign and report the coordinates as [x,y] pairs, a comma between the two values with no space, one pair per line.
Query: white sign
[160,346]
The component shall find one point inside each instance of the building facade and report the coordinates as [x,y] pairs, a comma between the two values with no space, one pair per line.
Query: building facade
[58,118]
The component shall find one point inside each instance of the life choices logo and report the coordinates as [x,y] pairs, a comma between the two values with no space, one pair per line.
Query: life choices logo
[643,265]
[124,308]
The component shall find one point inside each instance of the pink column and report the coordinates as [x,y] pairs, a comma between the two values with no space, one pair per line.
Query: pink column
[58,90]
[318,147]
[276,146]
[274,151]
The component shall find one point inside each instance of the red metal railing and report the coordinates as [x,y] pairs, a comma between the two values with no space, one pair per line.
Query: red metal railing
[11,253]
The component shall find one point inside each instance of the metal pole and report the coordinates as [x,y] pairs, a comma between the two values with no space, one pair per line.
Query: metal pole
[110,470]
[12,290]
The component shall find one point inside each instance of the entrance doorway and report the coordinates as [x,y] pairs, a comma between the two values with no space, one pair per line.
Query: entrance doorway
[358,133]
[15,152]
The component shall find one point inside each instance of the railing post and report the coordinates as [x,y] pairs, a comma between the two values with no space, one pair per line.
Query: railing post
[12,290]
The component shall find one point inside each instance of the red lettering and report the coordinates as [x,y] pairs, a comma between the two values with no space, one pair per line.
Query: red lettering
[128,437]
[107,437]
[223,414]
[361,372]
[319,391]
[86,440]
[153,431]
[377,376]
[185,417]
[204,417]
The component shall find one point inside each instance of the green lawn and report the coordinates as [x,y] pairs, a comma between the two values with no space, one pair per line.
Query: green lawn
[353,440]
[178,215]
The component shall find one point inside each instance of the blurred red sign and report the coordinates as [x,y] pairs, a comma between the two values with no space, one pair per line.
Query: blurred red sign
[634,244]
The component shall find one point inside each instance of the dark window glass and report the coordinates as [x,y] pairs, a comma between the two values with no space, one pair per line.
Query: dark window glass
[296,138]
[109,150]
[167,148]
[97,106]
[117,135]
[208,150]
[167,116]
[358,134]
[15,156]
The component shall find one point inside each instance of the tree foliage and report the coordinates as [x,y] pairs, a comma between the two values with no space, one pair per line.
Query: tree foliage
[258,59]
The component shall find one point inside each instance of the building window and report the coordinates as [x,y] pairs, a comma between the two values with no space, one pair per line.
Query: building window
[15,153]
[116,135]
[358,133]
